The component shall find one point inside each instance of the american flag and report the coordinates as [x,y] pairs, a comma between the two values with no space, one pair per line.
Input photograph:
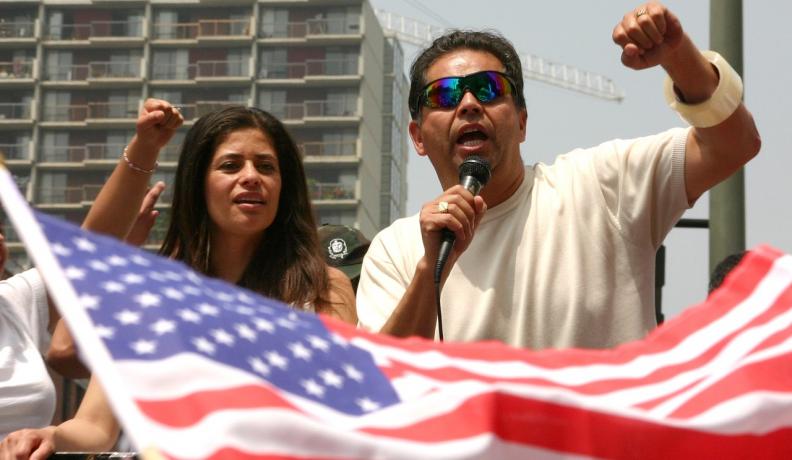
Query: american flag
[196,368]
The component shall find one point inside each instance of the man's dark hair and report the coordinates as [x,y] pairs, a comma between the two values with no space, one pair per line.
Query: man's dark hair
[487,41]
[723,268]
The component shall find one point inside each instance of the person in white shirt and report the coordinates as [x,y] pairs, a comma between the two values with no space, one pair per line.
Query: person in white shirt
[549,256]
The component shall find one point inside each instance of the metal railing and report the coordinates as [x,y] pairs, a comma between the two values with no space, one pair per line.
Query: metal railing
[331,191]
[202,28]
[18,68]
[15,151]
[17,29]
[14,110]
[94,69]
[66,153]
[62,195]
[200,108]
[202,69]
[330,148]
[339,26]
[98,110]
[96,151]
[96,29]
[311,67]
[329,108]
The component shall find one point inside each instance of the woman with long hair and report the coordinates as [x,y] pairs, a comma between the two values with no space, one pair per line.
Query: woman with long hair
[240,212]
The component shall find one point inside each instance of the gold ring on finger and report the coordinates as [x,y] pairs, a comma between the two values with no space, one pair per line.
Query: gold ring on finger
[640,12]
[442,207]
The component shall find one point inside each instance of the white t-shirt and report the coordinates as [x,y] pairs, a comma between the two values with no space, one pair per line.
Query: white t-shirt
[567,261]
[27,395]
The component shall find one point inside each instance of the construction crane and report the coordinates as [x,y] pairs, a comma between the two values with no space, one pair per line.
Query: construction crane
[415,32]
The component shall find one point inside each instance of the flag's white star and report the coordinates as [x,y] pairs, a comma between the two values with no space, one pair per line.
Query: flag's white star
[203,344]
[147,299]
[173,276]
[264,325]
[286,324]
[318,343]
[300,351]
[139,260]
[243,310]
[128,317]
[191,290]
[353,373]
[113,286]
[220,295]
[84,244]
[157,276]
[193,278]
[259,366]
[313,388]
[338,340]
[144,347]
[163,326]
[104,332]
[99,266]
[189,316]
[208,309]
[90,302]
[74,273]
[367,405]
[60,250]
[172,293]
[242,297]
[116,261]
[277,360]
[244,331]
[331,379]
[222,337]
[132,278]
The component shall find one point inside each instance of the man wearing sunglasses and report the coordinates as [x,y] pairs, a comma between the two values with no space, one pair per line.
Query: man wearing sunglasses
[549,256]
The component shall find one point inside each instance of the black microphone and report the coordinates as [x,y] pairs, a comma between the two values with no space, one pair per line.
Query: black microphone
[474,173]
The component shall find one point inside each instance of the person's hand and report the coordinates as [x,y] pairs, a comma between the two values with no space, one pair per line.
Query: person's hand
[146,217]
[36,444]
[457,210]
[157,123]
[648,36]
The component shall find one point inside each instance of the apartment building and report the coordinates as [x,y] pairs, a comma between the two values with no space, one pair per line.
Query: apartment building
[73,74]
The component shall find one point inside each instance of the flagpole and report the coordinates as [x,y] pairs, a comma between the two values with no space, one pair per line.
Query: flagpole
[64,296]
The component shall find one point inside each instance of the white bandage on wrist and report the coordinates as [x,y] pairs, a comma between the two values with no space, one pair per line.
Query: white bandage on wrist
[723,102]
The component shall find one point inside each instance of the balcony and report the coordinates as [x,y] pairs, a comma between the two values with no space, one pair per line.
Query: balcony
[92,152]
[311,69]
[80,195]
[18,32]
[204,29]
[91,112]
[17,71]
[19,152]
[200,108]
[16,114]
[238,69]
[311,110]
[329,149]
[317,29]
[324,191]
[103,31]
[97,71]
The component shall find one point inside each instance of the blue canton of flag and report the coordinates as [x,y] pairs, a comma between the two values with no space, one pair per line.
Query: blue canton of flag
[148,308]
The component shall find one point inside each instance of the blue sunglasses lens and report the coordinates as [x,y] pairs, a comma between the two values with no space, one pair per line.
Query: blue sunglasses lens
[447,92]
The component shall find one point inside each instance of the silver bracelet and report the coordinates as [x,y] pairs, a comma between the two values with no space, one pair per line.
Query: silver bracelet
[137,168]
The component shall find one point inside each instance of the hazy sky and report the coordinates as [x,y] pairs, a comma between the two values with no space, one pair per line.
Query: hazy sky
[578,32]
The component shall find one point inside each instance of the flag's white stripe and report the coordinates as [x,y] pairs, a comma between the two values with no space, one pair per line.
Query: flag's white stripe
[284,432]
[697,343]
[63,294]
[448,399]
[770,410]
[718,369]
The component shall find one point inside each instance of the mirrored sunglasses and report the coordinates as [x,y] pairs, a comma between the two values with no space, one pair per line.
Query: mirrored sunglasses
[485,86]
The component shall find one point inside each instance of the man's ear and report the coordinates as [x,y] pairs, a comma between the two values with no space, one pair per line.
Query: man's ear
[523,123]
[417,137]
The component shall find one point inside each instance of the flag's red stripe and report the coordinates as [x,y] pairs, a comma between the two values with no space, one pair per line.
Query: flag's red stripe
[606,385]
[745,279]
[578,431]
[230,453]
[524,421]
[190,409]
